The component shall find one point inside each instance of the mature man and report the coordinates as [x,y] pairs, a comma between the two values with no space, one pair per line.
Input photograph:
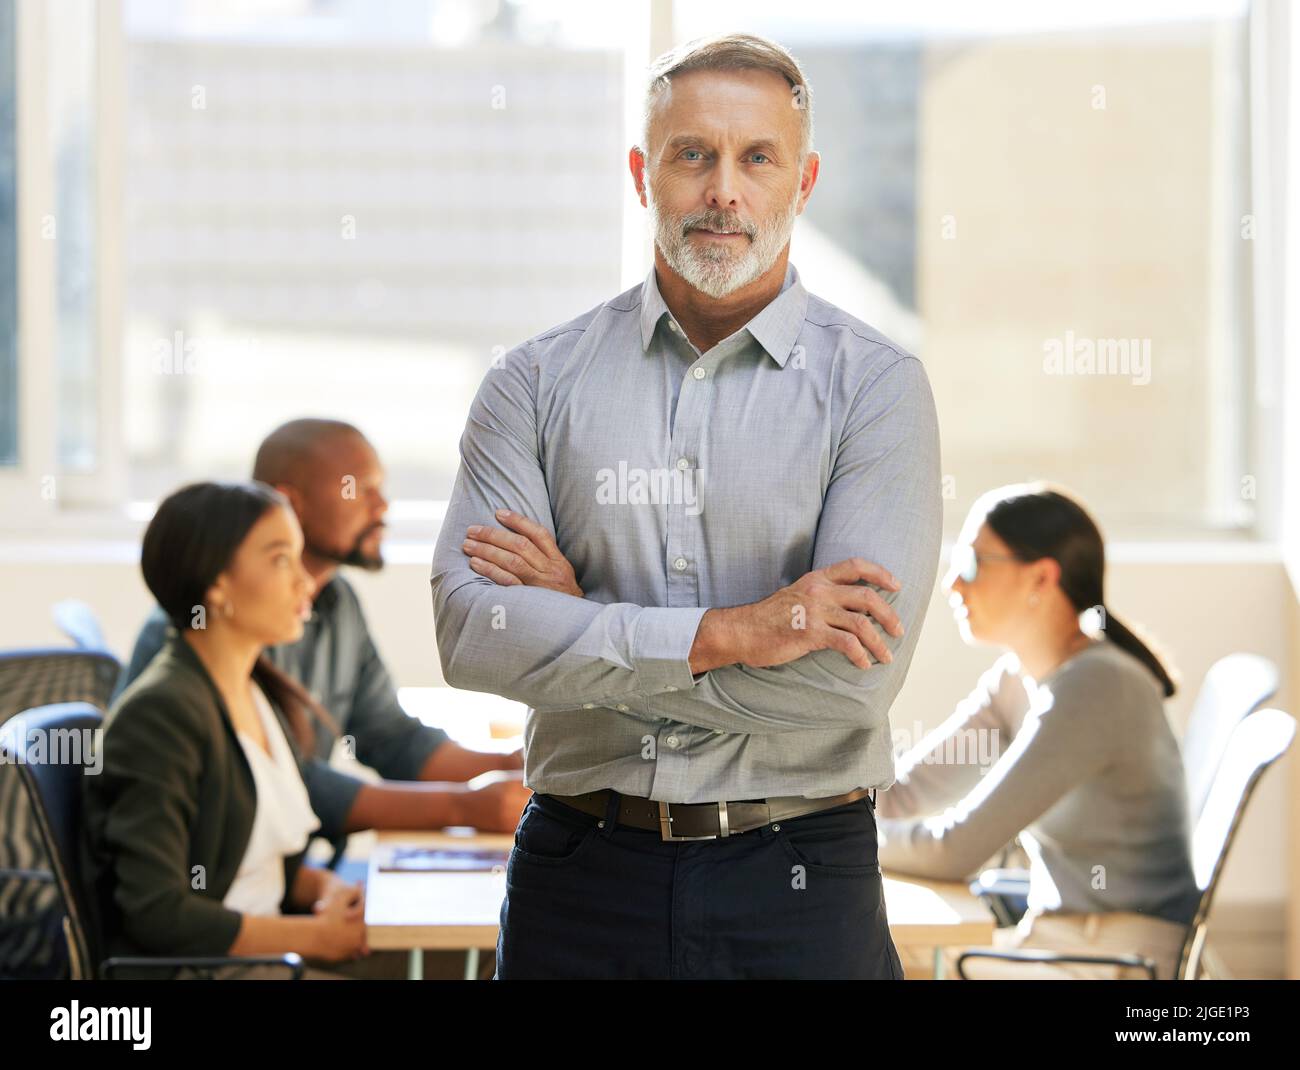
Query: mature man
[698,472]
[333,478]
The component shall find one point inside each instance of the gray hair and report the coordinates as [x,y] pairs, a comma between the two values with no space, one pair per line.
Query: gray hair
[729,52]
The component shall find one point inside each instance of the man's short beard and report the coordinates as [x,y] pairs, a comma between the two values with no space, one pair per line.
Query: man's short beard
[720,271]
[354,557]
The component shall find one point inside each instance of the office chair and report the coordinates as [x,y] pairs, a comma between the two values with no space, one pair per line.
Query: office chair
[1234,686]
[1255,744]
[30,911]
[54,793]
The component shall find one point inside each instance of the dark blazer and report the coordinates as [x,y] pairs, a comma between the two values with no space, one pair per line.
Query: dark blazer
[167,820]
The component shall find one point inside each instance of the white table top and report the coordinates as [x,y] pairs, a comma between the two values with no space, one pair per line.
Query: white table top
[455,911]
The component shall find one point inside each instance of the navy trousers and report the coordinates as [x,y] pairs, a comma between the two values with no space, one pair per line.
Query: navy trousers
[796,899]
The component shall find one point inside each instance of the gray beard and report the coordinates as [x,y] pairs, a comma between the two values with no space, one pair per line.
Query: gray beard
[720,271]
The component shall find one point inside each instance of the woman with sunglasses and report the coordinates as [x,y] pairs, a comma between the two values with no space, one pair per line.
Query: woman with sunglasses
[195,831]
[1078,757]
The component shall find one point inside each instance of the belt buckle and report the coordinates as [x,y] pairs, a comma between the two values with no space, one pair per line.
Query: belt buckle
[666,824]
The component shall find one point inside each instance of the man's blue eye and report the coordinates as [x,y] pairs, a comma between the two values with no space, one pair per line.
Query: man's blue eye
[762,154]
[689,150]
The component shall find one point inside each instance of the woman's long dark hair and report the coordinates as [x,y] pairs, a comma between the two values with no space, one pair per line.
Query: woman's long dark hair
[1036,521]
[190,541]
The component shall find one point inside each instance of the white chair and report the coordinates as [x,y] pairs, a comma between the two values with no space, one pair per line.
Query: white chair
[1254,744]
[1234,687]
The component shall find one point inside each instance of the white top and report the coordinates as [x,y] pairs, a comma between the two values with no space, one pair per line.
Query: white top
[282,824]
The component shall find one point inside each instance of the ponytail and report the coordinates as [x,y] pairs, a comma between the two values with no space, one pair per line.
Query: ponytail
[1038,520]
[1124,638]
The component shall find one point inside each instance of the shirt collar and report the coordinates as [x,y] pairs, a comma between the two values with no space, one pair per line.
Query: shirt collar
[775,328]
[328,597]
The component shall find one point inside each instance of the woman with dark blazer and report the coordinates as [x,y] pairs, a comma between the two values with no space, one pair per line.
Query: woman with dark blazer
[195,831]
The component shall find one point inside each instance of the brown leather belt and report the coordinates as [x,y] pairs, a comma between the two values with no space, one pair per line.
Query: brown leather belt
[705,821]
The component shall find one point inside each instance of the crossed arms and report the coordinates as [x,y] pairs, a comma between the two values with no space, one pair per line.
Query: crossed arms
[747,669]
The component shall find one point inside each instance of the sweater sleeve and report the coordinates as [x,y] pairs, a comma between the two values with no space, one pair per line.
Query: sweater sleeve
[153,761]
[950,761]
[1067,737]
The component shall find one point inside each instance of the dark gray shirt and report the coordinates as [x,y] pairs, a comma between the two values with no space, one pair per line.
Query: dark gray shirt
[336,660]
[675,481]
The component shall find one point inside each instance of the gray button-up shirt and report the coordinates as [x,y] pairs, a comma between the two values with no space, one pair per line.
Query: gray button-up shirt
[676,481]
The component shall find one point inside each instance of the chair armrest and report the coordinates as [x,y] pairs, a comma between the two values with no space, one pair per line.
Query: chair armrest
[1001,882]
[1137,962]
[38,876]
[291,961]
[996,886]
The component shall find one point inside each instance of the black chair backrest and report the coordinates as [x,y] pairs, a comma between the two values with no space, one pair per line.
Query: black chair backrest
[52,746]
[31,678]
[31,943]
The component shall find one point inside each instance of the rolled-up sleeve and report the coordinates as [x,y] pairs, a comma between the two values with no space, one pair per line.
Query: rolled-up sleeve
[388,739]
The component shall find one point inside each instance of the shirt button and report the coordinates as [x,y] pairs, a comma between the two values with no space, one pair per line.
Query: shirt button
[679,564]
[683,463]
[588,705]
[672,741]
[671,687]
[622,708]
[672,325]
[699,373]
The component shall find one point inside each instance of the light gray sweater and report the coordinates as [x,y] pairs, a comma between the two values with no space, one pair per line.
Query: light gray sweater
[1084,767]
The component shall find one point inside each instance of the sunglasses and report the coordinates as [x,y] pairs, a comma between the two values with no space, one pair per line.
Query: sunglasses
[966,561]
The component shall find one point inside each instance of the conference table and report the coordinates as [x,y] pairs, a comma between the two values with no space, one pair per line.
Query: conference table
[418,911]
[459,911]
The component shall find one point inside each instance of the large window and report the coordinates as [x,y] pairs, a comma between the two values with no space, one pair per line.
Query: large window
[349,209]
[1049,204]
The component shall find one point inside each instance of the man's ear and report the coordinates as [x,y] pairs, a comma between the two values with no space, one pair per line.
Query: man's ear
[294,495]
[808,177]
[636,164]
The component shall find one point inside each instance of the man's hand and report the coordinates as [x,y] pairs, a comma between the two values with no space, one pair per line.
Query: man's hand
[822,610]
[526,555]
[494,808]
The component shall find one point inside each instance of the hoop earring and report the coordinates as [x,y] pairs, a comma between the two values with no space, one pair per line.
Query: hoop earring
[1033,600]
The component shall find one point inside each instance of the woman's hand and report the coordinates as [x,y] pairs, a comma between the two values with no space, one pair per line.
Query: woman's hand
[338,894]
[526,555]
[341,912]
